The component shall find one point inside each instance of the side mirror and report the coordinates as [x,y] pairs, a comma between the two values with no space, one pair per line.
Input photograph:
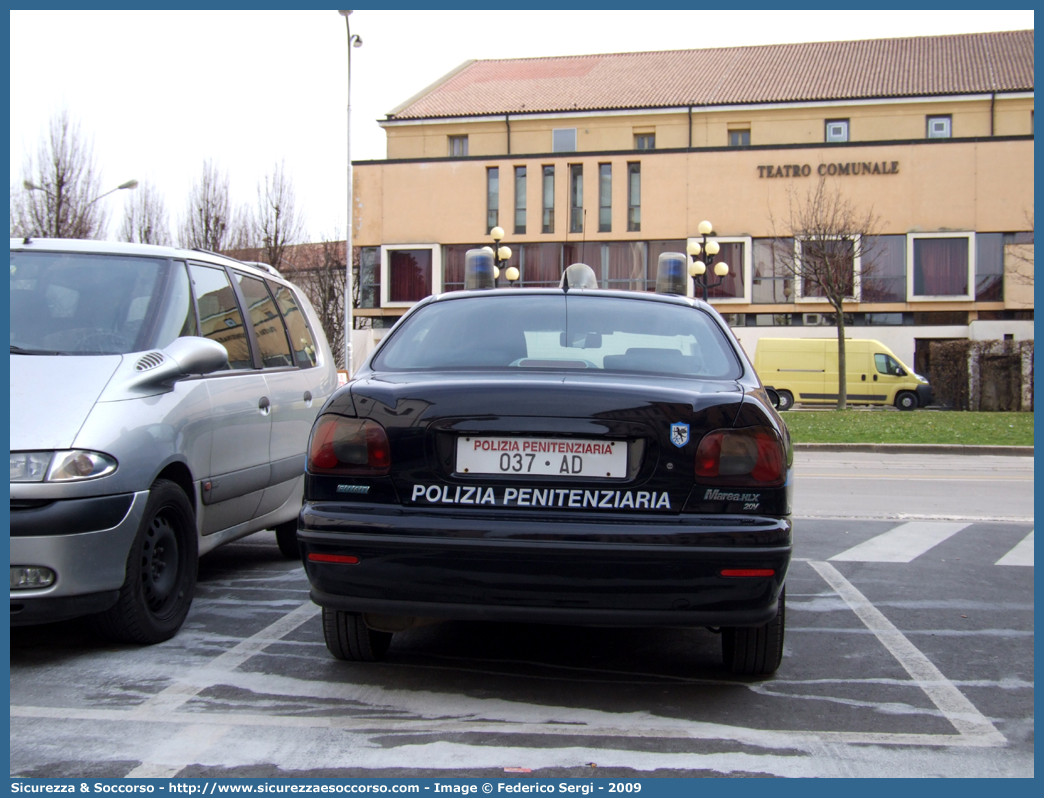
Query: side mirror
[773,397]
[195,355]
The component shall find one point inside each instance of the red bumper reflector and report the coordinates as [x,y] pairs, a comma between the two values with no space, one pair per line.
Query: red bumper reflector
[344,559]
[748,572]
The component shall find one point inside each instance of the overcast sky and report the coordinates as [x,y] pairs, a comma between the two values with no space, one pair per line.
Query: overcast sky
[160,91]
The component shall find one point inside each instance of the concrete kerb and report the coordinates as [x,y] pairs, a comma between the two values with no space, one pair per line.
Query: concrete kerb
[915,448]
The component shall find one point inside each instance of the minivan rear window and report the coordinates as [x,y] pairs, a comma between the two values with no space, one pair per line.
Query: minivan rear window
[85,304]
[560,331]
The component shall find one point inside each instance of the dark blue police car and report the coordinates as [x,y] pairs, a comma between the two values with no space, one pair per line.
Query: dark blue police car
[572,455]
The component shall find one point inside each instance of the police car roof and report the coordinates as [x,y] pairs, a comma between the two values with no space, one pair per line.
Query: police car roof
[649,296]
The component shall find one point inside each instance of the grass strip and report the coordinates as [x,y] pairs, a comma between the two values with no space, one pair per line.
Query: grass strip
[919,426]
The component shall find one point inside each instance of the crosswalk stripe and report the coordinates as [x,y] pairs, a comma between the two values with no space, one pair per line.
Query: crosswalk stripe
[903,543]
[1022,554]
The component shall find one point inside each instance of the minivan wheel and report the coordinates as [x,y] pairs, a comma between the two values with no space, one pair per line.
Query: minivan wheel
[161,571]
[755,650]
[906,400]
[786,400]
[348,638]
[286,539]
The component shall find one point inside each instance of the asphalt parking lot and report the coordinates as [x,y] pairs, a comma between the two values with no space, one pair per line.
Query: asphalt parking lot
[920,667]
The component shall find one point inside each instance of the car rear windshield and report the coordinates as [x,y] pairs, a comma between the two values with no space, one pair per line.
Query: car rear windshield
[85,304]
[560,331]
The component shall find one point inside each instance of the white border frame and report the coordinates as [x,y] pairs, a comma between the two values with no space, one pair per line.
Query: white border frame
[748,262]
[857,278]
[910,268]
[436,272]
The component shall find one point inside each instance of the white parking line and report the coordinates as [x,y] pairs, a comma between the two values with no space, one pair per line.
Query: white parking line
[902,544]
[951,702]
[1022,554]
[183,747]
[184,689]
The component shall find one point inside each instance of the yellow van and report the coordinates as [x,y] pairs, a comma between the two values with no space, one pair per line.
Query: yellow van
[805,370]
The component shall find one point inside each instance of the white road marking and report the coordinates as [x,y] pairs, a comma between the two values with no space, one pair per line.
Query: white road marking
[951,702]
[172,755]
[616,725]
[177,694]
[903,543]
[1022,554]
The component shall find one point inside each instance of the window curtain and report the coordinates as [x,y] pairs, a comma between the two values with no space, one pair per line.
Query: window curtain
[542,265]
[732,286]
[453,267]
[625,262]
[410,274]
[941,266]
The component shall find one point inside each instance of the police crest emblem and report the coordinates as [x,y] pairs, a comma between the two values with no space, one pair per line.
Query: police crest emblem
[679,434]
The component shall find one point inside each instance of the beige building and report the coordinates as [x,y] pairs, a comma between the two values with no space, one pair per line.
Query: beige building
[613,159]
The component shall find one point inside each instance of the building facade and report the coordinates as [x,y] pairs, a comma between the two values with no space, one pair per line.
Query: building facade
[613,159]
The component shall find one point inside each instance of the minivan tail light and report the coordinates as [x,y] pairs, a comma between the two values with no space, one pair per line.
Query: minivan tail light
[749,456]
[349,446]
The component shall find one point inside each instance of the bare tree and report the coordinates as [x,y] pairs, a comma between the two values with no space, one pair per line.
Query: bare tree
[209,222]
[276,225]
[832,253]
[1022,258]
[145,217]
[61,187]
[320,272]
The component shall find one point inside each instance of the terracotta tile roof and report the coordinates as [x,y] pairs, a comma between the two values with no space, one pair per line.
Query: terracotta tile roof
[929,65]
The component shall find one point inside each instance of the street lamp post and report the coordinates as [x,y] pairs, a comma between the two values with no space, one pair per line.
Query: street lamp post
[29,185]
[353,41]
[501,255]
[698,268]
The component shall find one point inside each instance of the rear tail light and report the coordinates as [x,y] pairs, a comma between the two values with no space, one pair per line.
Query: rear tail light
[341,559]
[748,572]
[349,446]
[750,456]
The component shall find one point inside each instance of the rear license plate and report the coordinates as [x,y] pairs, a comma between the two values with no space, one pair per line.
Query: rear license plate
[551,457]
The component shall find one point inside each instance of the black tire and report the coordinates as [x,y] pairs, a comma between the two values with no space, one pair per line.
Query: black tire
[755,650]
[906,400]
[286,538]
[786,400]
[161,572]
[348,638]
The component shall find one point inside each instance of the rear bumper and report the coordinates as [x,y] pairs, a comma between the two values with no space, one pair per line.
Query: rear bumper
[590,569]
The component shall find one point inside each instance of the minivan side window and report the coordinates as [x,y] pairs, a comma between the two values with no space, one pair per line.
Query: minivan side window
[268,325]
[888,365]
[219,316]
[300,337]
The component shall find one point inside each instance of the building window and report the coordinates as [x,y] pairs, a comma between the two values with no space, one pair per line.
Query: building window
[605,197]
[836,130]
[369,277]
[520,200]
[884,279]
[989,267]
[939,127]
[739,138]
[576,198]
[409,272]
[941,265]
[634,197]
[458,146]
[563,140]
[828,261]
[735,252]
[492,197]
[645,141]
[547,221]
[773,280]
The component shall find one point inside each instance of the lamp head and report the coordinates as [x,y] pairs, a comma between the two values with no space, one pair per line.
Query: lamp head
[705,228]
[504,253]
[696,268]
[693,248]
[128,184]
[511,273]
[721,269]
[712,248]
[497,234]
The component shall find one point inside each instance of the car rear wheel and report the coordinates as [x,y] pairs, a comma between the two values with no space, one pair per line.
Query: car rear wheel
[906,400]
[286,538]
[348,638]
[786,400]
[756,650]
[161,571]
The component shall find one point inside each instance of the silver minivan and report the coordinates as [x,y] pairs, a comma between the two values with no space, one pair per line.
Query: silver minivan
[161,401]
